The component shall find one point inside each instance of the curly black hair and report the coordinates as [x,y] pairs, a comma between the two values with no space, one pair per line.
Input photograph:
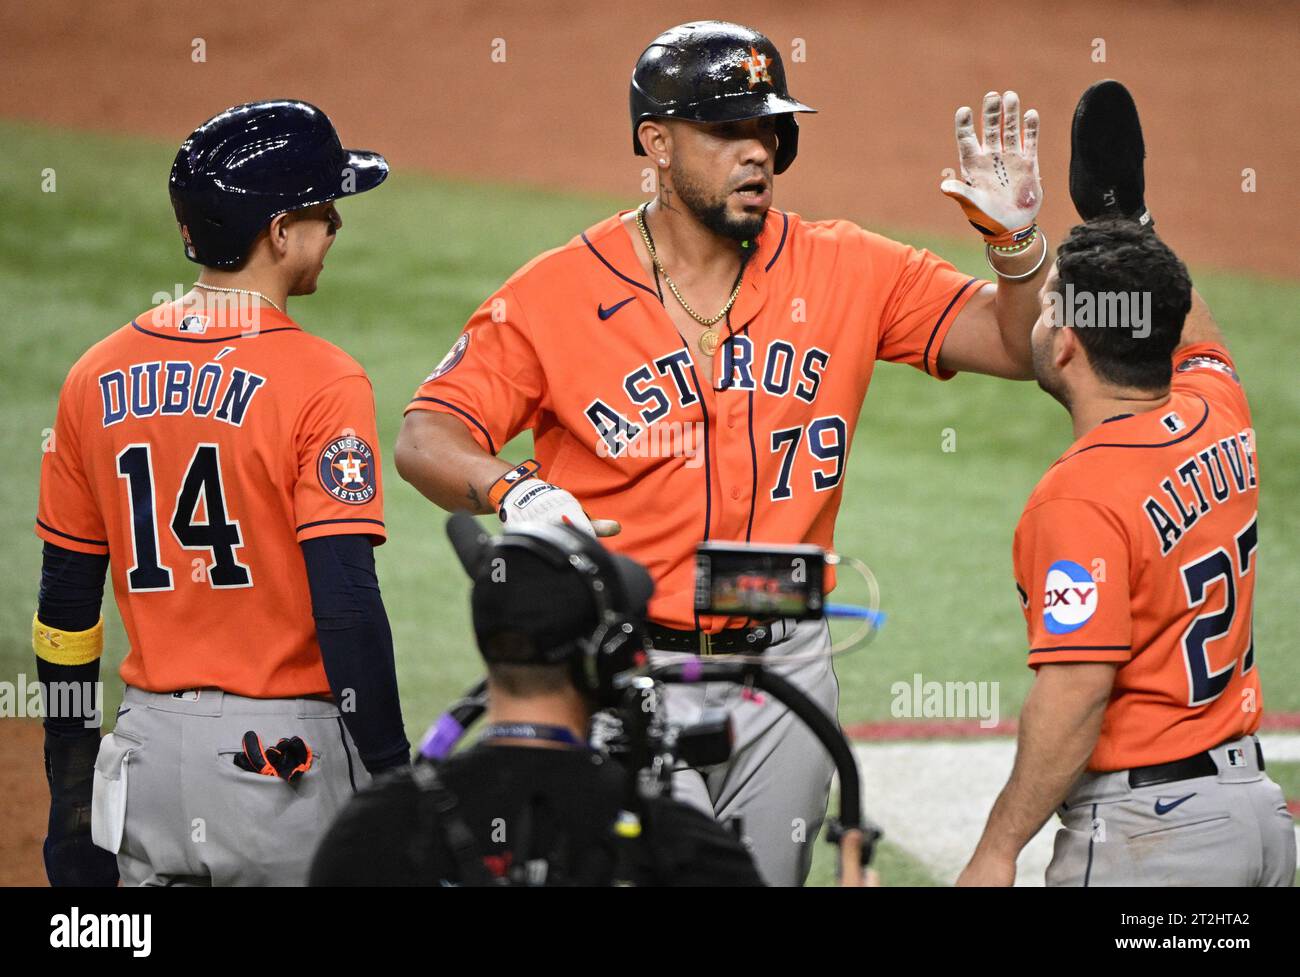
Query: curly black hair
[1110,258]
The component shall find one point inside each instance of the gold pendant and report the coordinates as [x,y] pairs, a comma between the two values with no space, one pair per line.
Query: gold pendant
[709,342]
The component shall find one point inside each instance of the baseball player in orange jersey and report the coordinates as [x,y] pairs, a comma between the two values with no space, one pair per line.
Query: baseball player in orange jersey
[1135,560]
[225,463]
[694,370]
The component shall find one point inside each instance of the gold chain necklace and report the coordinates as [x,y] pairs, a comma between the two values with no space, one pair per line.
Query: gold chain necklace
[708,341]
[240,291]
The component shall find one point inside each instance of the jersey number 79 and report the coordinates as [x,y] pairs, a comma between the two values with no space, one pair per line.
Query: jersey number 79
[821,447]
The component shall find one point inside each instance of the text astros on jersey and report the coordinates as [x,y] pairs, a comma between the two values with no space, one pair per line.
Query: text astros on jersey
[1138,547]
[577,346]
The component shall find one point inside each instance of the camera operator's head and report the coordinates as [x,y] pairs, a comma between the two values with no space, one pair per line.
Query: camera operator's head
[555,614]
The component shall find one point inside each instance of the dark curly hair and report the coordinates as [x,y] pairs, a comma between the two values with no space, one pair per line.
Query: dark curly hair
[1121,257]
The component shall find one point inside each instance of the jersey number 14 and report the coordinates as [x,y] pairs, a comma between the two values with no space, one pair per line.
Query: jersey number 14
[218,534]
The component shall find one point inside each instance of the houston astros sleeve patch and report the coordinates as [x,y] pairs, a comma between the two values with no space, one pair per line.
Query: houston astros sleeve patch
[347,470]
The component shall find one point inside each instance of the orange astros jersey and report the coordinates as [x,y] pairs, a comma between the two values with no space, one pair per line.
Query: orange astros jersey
[1139,547]
[198,454]
[577,347]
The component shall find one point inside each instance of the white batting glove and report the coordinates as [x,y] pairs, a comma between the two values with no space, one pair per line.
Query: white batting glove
[999,190]
[534,501]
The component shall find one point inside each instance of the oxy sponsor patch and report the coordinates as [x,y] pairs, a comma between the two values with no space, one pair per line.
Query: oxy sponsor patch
[1069,597]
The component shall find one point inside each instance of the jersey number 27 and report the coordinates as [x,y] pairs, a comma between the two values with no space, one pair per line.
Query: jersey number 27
[1205,685]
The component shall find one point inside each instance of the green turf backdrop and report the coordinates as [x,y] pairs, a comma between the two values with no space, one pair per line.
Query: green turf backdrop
[418,255]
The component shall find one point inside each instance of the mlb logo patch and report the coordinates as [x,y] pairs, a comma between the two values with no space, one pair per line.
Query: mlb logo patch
[1236,757]
[1069,597]
[194,324]
[1173,422]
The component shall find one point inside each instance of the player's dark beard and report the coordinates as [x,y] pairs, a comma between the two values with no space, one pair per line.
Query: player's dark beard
[712,213]
[1048,380]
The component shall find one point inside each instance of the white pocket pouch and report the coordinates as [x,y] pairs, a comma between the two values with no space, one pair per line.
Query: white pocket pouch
[108,801]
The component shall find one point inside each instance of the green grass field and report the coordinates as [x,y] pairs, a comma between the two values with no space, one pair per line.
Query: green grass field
[418,255]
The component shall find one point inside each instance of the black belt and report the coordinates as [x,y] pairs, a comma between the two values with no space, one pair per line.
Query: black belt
[1200,765]
[732,641]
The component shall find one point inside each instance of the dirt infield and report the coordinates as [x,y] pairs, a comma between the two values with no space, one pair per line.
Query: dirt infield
[536,93]
[24,802]
[1216,84]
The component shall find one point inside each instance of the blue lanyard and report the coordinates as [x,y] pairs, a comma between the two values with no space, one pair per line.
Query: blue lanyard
[531,731]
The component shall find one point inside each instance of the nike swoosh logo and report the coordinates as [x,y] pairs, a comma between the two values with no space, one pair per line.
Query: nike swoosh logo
[605,313]
[1166,808]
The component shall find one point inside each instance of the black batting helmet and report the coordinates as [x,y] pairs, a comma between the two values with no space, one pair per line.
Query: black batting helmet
[714,71]
[254,162]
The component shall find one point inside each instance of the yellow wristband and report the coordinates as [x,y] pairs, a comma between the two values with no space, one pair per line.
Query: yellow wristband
[67,647]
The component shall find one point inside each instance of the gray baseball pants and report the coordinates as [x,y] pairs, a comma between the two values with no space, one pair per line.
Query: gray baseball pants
[1232,829]
[779,777]
[170,802]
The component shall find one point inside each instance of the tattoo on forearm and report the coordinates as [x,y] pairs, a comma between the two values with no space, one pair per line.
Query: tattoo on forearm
[475,500]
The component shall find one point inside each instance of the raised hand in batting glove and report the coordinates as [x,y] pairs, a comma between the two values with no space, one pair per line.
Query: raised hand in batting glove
[999,189]
[528,499]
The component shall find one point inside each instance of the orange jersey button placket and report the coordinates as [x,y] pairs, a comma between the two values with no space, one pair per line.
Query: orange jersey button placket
[734,465]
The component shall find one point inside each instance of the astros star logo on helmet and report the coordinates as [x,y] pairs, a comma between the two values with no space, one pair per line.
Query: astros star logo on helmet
[756,65]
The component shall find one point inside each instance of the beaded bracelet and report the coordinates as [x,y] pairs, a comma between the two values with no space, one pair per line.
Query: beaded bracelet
[1019,246]
[988,256]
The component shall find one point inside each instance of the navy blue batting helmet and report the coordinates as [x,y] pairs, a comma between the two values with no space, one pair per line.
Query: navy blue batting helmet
[254,162]
[715,71]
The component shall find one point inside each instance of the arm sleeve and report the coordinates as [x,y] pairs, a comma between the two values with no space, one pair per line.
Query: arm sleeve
[67,513]
[72,588]
[925,297]
[357,646]
[340,485]
[491,378]
[71,595]
[1072,565]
